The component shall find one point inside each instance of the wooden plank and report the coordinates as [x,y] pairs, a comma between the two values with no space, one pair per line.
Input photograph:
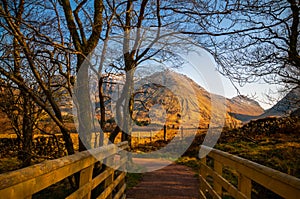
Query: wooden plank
[81,192]
[202,173]
[218,167]
[101,177]
[121,192]
[94,183]
[109,180]
[202,195]
[210,190]
[232,190]
[86,178]
[280,183]
[97,180]
[121,184]
[108,190]
[244,185]
[122,167]
[105,174]
[25,182]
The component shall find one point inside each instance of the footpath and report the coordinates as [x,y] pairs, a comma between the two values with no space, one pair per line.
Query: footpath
[171,182]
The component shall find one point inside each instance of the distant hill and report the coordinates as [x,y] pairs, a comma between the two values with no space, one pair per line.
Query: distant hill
[184,93]
[287,105]
[243,108]
[185,101]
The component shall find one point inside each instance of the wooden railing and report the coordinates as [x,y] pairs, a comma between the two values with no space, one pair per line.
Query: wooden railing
[25,182]
[213,182]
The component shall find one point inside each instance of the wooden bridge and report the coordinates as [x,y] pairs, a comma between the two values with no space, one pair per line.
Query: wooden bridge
[25,182]
[213,183]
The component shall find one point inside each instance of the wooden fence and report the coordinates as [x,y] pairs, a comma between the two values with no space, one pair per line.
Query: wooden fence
[140,136]
[25,182]
[213,184]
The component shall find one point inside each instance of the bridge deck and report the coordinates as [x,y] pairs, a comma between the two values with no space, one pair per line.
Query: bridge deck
[174,182]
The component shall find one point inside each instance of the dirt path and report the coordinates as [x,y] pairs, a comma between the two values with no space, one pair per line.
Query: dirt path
[172,182]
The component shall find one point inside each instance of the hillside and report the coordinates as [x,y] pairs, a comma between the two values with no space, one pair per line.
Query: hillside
[287,105]
[187,102]
[243,108]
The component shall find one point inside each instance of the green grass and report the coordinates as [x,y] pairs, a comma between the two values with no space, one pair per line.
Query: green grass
[191,162]
[133,179]
[282,156]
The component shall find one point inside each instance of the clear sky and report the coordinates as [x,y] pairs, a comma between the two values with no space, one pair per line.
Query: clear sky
[200,68]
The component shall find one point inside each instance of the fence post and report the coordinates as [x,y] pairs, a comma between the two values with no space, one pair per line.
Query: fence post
[86,177]
[203,175]
[110,178]
[218,167]
[122,184]
[245,185]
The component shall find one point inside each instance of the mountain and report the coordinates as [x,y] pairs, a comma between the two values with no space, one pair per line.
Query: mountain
[184,102]
[287,105]
[243,108]
[188,103]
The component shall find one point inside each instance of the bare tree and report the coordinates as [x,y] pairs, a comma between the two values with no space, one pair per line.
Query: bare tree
[251,40]
[264,43]
[37,59]
[23,114]
[85,37]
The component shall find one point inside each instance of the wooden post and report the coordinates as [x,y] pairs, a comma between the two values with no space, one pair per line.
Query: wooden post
[218,167]
[203,161]
[110,178]
[165,133]
[123,170]
[203,174]
[150,136]
[86,177]
[245,185]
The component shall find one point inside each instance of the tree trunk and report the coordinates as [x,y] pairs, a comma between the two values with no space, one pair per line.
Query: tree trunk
[84,105]
[102,110]
[68,141]
[27,128]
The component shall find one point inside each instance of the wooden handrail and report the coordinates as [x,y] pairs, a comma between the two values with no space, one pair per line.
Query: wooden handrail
[280,183]
[23,183]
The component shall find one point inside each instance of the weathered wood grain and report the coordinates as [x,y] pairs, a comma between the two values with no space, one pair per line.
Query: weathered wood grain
[25,182]
[280,183]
